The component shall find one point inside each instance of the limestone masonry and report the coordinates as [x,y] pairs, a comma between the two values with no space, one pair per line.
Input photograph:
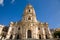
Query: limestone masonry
[28,27]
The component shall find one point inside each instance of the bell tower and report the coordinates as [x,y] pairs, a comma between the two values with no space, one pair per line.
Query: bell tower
[29,14]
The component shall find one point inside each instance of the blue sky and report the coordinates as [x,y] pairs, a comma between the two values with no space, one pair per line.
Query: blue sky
[46,11]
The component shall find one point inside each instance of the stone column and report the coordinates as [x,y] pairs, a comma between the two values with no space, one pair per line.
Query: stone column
[13,36]
[50,35]
[37,33]
[26,34]
[8,36]
[9,33]
[43,33]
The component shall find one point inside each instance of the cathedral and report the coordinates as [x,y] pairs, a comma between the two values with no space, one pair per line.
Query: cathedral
[28,27]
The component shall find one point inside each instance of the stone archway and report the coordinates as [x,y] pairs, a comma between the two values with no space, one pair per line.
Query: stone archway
[46,36]
[29,34]
[17,37]
[39,36]
[11,36]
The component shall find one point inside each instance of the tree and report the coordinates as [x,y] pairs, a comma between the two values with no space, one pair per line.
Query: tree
[56,34]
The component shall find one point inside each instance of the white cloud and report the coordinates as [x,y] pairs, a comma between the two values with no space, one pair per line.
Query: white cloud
[12,1]
[1,2]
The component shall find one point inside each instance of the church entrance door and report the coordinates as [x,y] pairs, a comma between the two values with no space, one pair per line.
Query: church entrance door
[29,34]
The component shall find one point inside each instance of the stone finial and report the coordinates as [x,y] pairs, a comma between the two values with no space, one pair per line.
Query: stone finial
[46,24]
[41,23]
[1,25]
[11,23]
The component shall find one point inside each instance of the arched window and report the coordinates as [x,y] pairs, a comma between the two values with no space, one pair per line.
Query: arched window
[39,36]
[38,28]
[29,34]
[47,37]
[11,37]
[29,18]
[17,37]
[19,28]
[29,10]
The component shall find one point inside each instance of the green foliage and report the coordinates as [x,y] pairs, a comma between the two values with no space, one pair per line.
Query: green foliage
[56,33]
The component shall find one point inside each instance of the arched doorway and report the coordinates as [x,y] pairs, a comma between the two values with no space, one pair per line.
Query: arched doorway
[47,37]
[17,37]
[29,34]
[39,36]
[11,37]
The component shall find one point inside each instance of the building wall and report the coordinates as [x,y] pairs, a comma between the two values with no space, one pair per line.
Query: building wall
[28,27]
[1,28]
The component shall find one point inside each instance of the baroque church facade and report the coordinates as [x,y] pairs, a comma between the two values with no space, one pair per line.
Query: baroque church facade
[28,27]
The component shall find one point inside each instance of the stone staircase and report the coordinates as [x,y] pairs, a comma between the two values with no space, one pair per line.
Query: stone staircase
[31,39]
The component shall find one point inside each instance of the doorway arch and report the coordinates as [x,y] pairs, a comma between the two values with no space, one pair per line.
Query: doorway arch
[11,36]
[29,34]
[39,36]
[47,37]
[17,36]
